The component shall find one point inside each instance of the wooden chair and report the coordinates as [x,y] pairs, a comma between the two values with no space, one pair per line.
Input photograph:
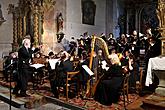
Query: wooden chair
[70,77]
[124,89]
[139,83]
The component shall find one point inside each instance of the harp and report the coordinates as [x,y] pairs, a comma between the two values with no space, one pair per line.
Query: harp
[100,43]
[97,41]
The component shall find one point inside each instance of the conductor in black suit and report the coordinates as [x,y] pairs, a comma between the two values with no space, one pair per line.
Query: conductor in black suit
[25,56]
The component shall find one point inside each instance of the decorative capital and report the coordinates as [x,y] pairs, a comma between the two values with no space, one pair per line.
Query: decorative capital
[48,5]
[161,13]
[11,8]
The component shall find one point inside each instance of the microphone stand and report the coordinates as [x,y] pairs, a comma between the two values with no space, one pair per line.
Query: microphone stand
[11,80]
[10,89]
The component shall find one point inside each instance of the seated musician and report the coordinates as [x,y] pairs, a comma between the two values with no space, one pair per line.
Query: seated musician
[51,71]
[10,65]
[62,67]
[38,59]
[84,76]
[128,61]
[107,90]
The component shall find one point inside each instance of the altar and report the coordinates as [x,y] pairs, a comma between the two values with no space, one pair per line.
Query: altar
[156,66]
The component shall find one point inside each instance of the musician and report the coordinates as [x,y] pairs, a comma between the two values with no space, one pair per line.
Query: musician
[51,70]
[154,50]
[112,44]
[128,62]
[100,59]
[107,90]
[122,43]
[25,56]
[134,44]
[103,37]
[38,59]
[81,47]
[72,46]
[10,64]
[62,67]
[84,76]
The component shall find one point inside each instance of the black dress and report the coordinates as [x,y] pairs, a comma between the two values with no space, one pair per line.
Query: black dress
[107,91]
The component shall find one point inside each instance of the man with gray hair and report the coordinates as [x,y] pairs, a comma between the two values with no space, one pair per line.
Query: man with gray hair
[25,56]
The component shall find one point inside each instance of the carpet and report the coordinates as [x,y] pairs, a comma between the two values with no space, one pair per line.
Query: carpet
[89,104]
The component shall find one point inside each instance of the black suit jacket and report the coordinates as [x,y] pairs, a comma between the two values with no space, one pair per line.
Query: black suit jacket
[24,55]
[63,67]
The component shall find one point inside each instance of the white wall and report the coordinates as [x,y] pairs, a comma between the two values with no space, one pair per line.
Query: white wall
[6,29]
[74,26]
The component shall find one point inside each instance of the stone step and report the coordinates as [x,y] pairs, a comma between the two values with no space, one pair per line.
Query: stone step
[33,101]
[13,102]
[63,103]
[36,101]
[154,102]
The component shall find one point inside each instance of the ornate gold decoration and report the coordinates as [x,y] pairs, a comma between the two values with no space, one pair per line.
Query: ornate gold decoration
[36,36]
[20,33]
[161,16]
[24,25]
[26,9]
[48,5]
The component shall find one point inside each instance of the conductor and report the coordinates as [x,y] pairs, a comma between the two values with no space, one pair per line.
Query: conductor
[25,56]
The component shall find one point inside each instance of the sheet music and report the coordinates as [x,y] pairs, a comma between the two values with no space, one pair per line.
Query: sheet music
[53,62]
[142,51]
[104,65]
[37,65]
[87,70]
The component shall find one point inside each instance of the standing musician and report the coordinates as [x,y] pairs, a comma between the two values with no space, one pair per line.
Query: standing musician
[25,56]
[154,50]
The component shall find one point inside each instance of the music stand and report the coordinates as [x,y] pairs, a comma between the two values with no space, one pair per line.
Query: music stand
[10,92]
